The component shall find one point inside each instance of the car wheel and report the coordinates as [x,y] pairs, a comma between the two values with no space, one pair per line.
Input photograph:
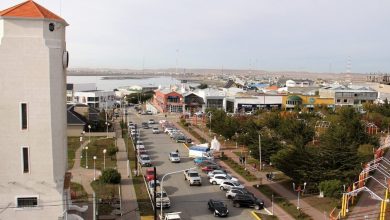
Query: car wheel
[215,214]
[214,183]
[222,188]
[229,197]
[257,207]
[236,204]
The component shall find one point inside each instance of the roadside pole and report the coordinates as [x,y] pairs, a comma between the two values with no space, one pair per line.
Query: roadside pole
[155,193]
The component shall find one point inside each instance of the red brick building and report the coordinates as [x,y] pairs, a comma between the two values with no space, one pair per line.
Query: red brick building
[166,100]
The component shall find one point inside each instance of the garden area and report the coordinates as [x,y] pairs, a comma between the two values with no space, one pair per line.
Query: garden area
[95,148]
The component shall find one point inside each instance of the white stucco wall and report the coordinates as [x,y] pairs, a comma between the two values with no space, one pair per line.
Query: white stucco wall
[31,64]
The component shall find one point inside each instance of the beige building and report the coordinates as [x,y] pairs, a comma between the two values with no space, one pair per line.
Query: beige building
[33,140]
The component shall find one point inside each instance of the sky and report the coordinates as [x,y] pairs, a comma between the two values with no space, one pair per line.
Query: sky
[272,35]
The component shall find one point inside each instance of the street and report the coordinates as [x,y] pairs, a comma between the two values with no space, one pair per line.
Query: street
[190,201]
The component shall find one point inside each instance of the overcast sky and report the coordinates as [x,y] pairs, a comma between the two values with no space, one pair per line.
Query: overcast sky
[310,35]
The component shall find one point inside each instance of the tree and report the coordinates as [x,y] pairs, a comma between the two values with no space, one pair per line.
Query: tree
[203,86]
[111,176]
[331,188]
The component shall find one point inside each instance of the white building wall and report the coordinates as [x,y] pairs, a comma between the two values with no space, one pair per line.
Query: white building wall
[31,60]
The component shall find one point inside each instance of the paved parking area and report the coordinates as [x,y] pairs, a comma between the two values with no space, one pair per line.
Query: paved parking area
[190,200]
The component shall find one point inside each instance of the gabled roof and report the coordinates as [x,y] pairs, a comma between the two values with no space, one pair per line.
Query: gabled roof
[30,9]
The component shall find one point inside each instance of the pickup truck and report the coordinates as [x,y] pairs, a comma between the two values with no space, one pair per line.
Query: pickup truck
[171,216]
[166,202]
[193,177]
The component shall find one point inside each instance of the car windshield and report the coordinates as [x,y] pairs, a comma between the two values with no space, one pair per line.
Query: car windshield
[145,157]
[150,172]
[235,184]
[218,204]
[174,155]
[155,128]
[164,194]
[194,174]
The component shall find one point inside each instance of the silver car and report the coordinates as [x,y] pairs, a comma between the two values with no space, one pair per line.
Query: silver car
[174,157]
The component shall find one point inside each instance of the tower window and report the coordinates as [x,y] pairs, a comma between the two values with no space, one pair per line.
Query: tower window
[23,113]
[27,202]
[26,160]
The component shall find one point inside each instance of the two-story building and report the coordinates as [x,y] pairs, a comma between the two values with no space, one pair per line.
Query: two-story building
[351,95]
[168,100]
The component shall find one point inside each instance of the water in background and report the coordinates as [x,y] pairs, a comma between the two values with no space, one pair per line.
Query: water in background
[111,84]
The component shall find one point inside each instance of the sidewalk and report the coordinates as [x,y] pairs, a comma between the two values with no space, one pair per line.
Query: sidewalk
[128,196]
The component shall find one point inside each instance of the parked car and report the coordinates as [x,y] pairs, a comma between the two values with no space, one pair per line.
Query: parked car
[210,167]
[206,163]
[226,185]
[228,176]
[151,185]
[151,121]
[248,201]
[165,202]
[141,149]
[216,180]
[201,159]
[174,157]
[214,172]
[148,112]
[188,140]
[193,177]
[232,192]
[218,208]
[144,160]
[155,130]
[149,174]
[180,139]
[145,125]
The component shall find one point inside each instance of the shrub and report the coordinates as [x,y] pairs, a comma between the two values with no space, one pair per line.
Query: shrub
[112,151]
[111,176]
[331,188]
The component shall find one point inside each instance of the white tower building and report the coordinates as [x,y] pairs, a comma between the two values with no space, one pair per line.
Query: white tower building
[33,144]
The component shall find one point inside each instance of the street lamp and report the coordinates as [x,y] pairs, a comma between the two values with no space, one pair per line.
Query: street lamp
[162,181]
[107,124]
[89,127]
[261,165]
[86,157]
[104,159]
[299,190]
[94,168]
[210,114]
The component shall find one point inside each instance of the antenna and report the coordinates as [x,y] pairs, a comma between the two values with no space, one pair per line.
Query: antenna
[349,64]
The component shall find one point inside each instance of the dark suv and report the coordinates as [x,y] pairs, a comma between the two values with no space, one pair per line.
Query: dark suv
[248,201]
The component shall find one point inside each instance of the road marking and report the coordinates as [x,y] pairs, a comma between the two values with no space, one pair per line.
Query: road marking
[270,213]
[185,145]
[254,215]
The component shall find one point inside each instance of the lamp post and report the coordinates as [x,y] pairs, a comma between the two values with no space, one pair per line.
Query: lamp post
[299,190]
[210,114]
[162,181]
[104,159]
[89,127]
[86,157]
[261,165]
[107,124]
[94,168]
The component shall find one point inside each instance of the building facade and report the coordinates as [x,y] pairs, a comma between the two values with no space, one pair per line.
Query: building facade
[33,141]
[166,100]
[349,95]
[95,98]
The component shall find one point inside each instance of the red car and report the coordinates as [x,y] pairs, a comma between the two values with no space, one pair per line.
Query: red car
[209,168]
[149,175]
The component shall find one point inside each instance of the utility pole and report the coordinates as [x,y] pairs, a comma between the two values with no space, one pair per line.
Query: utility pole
[260,167]
[155,193]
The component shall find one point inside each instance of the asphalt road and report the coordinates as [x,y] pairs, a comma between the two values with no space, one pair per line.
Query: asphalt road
[191,201]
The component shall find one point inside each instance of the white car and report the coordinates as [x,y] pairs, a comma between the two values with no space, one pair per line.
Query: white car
[155,130]
[145,160]
[228,176]
[167,129]
[141,148]
[226,185]
[174,157]
[214,172]
[216,180]
[151,121]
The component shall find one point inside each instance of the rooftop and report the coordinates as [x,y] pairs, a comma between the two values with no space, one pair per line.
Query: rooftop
[30,9]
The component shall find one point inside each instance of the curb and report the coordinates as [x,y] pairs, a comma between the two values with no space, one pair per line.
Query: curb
[255,216]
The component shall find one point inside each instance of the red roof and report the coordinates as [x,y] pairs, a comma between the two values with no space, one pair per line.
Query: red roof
[30,9]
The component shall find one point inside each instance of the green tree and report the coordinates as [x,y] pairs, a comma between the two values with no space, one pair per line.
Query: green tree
[111,176]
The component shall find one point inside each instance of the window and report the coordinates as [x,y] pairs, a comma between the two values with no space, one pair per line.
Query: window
[23,114]
[345,100]
[338,100]
[27,202]
[25,160]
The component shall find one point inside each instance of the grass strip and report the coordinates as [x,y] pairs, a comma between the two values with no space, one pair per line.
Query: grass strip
[95,148]
[283,203]
[238,169]
[73,145]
